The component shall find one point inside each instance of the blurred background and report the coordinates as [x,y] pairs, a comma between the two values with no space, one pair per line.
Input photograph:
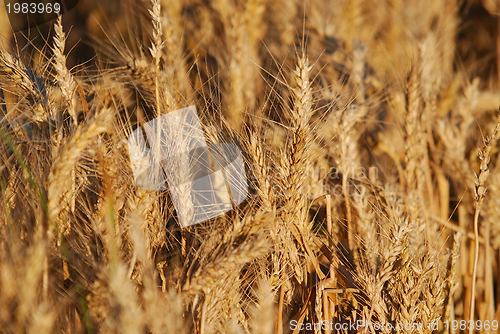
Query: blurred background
[91,21]
[86,23]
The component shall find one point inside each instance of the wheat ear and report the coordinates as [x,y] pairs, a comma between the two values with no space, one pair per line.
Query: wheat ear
[14,69]
[156,51]
[67,158]
[157,47]
[16,72]
[64,78]
[479,195]
[299,158]
[260,171]
[248,251]
[263,314]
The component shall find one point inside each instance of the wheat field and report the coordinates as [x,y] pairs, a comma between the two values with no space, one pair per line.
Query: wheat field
[369,136]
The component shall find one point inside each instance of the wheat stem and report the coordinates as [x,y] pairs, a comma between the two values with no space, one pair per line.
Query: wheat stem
[479,195]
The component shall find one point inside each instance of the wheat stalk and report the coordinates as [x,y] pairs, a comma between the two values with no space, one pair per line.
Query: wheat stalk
[479,195]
